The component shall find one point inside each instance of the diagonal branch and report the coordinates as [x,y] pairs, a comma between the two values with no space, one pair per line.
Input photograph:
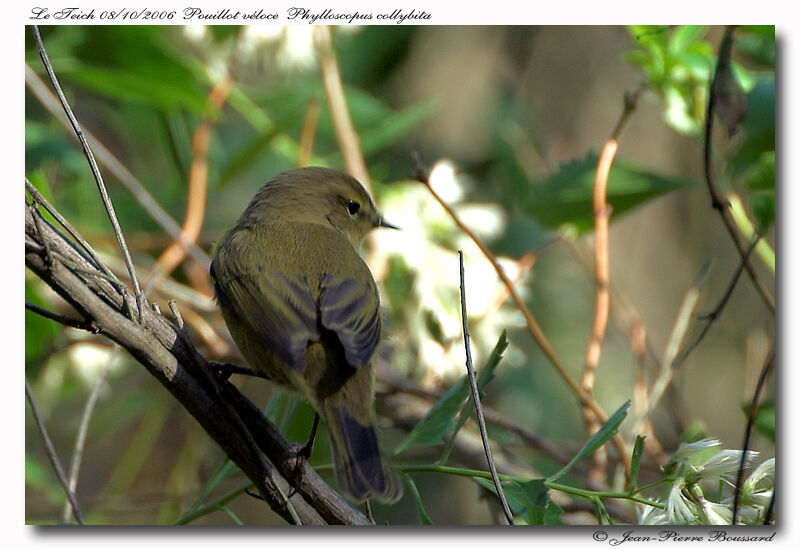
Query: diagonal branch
[51,454]
[229,418]
[476,400]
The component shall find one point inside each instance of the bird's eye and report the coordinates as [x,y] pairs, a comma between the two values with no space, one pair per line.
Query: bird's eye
[353,207]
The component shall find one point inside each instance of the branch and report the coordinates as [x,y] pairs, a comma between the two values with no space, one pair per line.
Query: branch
[227,416]
[51,454]
[346,134]
[718,200]
[714,314]
[473,385]
[101,187]
[80,439]
[602,214]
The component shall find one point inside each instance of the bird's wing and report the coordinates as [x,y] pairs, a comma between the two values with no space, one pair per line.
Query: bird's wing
[350,308]
[279,310]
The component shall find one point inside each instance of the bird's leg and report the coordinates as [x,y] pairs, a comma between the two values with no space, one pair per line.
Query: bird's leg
[225,370]
[305,450]
[304,453]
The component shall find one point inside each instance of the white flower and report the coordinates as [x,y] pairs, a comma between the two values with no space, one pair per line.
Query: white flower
[651,515]
[715,513]
[427,246]
[679,510]
[687,450]
[725,463]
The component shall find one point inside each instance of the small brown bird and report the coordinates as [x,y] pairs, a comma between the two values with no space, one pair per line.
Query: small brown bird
[303,308]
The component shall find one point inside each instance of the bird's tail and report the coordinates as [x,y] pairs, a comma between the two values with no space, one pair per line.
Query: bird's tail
[360,469]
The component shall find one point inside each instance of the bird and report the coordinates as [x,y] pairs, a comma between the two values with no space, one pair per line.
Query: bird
[303,308]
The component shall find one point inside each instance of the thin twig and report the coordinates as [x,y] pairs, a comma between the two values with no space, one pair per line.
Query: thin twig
[714,314]
[112,216]
[346,134]
[39,199]
[748,432]
[83,429]
[66,321]
[676,336]
[530,321]
[51,454]
[115,167]
[473,385]
[718,200]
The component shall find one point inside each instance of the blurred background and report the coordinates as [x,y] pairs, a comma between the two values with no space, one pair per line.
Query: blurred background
[510,121]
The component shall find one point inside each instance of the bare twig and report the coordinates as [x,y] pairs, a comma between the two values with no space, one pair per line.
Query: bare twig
[66,321]
[714,314]
[346,134]
[476,397]
[115,167]
[112,216]
[676,336]
[530,321]
[51,454]
[748,432]
[718,200]
[83,429]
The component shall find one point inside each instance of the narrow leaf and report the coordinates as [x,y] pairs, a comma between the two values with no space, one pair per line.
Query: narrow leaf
[424,518]
[443,418]
[636,458]
[605,433]
[565,197]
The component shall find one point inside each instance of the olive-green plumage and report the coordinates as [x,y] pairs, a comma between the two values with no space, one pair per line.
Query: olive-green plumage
[303,308]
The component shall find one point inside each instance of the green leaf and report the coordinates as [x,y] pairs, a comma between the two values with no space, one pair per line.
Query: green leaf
[130,86]
[758,127]
[529,499]
[605,433]
[443,418]
[636,458]
[390,129]
[684,37]
[133,63]
[761,176]
[439,421]
[565,198]
[424,518]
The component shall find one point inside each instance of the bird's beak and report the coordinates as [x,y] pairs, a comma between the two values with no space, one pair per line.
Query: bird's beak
[384,223]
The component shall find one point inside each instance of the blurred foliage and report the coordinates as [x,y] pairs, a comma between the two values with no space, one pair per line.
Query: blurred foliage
[564,199]
[143,90]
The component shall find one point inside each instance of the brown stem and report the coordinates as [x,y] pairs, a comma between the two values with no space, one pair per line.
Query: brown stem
[530,321]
